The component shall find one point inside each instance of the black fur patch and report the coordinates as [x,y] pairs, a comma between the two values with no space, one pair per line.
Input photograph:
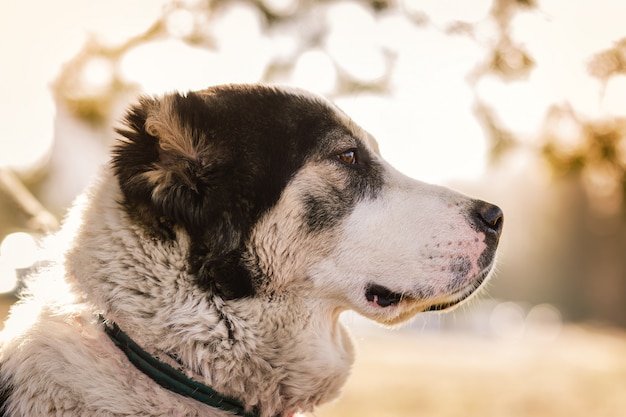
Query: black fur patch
[235,149]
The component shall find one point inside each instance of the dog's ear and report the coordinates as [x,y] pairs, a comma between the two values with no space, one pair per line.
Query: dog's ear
[165,162]
[173,173]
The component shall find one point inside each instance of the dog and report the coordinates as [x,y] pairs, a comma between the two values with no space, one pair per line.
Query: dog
[206,269]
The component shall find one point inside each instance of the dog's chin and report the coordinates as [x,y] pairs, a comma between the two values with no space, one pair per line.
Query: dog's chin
[388,307]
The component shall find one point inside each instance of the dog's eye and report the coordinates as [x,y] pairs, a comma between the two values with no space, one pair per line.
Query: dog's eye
[348,157]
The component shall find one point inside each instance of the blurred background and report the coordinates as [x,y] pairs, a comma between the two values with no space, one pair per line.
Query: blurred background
[518,102]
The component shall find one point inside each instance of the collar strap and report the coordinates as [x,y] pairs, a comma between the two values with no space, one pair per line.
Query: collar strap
[168,377]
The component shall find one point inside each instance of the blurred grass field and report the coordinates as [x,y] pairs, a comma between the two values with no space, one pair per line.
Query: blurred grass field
[580,373]
[408,373]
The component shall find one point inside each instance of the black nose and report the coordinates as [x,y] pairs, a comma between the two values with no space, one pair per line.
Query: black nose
[489,218]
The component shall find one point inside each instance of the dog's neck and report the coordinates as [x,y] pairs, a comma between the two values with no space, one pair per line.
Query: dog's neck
[278,355]
[165,375]
[168,377]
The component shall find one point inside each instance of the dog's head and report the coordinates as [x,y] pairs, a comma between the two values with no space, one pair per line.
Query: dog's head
[279,190]
[236,224]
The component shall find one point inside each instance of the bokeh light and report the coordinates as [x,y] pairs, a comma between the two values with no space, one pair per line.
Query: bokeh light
[17,251]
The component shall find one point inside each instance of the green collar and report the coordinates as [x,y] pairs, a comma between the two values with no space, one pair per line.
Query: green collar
[168,377]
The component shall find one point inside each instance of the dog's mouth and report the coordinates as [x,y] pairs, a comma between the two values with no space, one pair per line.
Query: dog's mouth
[383,297]
[448,305]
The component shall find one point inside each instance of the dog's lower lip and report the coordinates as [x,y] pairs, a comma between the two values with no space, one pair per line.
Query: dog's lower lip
[382,296]
[443,306]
